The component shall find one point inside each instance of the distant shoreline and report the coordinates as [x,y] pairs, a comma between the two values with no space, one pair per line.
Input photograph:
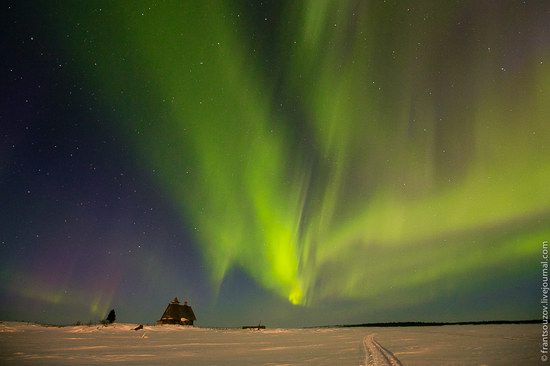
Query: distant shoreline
[436,324]
[365,325]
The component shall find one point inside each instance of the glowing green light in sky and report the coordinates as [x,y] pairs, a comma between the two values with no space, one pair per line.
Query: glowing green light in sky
[415,166]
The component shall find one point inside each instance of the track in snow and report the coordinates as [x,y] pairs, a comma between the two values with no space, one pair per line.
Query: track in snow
[376,355]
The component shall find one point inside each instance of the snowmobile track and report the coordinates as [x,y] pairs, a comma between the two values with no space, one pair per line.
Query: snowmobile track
[376,355]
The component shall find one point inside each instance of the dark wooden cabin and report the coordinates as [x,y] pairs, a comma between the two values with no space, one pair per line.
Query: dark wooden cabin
[176,313]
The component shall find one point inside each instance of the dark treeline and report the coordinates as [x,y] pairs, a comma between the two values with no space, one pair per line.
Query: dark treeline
[438,324]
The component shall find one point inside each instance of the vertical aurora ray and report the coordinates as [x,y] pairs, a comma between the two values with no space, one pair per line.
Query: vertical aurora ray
[422,156]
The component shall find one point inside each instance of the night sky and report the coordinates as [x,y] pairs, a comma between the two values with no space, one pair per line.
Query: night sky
[289,162]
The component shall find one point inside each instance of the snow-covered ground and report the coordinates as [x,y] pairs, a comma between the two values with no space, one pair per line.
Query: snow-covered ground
[22,343]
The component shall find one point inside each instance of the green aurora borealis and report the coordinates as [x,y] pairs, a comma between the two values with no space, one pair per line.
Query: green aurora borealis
[395,169]
[378,153]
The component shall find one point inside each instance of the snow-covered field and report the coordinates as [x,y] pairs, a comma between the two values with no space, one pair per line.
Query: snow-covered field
[22,343]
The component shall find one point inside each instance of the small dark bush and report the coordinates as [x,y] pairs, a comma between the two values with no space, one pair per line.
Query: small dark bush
[111,317]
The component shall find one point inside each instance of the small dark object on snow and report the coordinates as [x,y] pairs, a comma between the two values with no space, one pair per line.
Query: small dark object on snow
[139,327]
[257,327]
